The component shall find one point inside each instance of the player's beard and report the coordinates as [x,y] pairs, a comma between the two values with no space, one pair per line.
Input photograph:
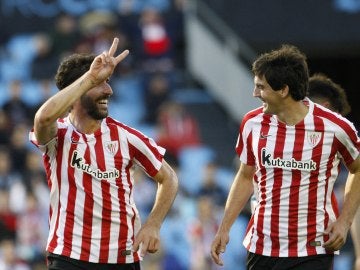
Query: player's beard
[92,107]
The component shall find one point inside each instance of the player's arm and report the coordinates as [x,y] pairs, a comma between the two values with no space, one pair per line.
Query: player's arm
[239,194]
[352,191]
[45,127]
[102,67]
[338,230]
[148,236]
[355,234]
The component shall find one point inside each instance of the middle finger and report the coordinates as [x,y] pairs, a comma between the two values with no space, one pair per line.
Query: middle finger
[113,47]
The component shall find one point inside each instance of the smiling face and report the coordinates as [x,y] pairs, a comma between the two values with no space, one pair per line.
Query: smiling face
[271,99]
[95,102]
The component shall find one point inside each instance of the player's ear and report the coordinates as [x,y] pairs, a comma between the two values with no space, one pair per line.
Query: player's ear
[284,91]
[326,104]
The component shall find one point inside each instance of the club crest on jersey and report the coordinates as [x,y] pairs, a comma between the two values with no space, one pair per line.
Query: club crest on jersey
[313,138]
[112,147]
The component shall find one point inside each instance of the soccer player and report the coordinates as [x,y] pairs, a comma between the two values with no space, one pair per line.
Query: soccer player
[331,95]
[89,160]
[324,91]
[291,148]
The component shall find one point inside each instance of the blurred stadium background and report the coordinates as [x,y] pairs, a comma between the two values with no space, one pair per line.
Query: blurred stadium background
[187,83]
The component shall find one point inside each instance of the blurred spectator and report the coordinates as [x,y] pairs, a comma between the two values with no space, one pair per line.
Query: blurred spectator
[17,196]
[156,42]
[5,128]
[175,20]
[33,171]
[11,183]
[19,147]
[65,35]
[7,177]
[177,128]
[16,110]
[209,186]
[155,52]
[41,192]
[47,89]
[98,29]
[157,92]
[7,218]
[202,230]
[8,257]
[45,63]
[175,243]
[31,225]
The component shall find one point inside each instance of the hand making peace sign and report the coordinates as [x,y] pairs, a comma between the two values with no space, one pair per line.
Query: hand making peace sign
[104,64]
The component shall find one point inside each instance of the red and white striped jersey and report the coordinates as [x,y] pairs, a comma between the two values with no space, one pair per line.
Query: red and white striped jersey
[93,216]
[296,167]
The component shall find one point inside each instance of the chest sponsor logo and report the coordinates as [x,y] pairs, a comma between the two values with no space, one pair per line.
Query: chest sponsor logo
[77,161]
[313,138]
[268,161]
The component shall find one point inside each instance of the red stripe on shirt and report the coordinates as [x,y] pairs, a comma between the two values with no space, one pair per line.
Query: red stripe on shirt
[118,160]
[328,174]
[106,203]
[313,190]
[71,199]
[60,147]
[87,213]
[262,197]
[294,192]
[276,190]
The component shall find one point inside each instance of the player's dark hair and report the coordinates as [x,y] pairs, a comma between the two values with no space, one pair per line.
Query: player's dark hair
[72,68]
[284,66]
[321,86]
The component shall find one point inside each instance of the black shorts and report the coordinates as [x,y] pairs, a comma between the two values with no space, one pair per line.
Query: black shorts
[58,262]
[316,262]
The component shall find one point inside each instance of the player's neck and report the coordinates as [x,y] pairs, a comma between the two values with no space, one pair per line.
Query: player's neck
[84,123]
[293,113]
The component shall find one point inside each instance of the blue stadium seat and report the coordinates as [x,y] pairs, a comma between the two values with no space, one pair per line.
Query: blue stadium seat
[191,163]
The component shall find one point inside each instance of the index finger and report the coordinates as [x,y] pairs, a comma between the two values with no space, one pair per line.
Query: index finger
[121,56]
[136,244]
[330,242]
[113,47]
[215,252]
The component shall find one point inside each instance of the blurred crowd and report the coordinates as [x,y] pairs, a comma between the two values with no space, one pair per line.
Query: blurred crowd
[145,90]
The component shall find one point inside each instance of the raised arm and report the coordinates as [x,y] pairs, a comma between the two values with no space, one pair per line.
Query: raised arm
[102,67]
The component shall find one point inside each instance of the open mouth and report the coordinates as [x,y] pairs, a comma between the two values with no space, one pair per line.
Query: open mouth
[103,102]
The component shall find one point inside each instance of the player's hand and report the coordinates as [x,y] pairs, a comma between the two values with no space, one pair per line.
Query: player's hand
[218,246]
[357,264]
[337,232]
[104,64]
[147,240]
